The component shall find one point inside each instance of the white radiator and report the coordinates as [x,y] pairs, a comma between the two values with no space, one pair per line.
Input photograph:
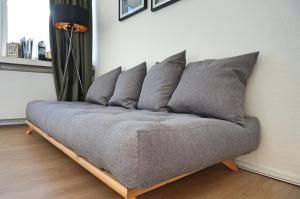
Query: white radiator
[17,88]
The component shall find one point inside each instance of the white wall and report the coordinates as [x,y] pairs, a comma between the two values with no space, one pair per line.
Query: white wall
[215,29]
[19,88]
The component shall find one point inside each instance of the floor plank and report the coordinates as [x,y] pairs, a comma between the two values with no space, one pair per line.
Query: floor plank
[31,168]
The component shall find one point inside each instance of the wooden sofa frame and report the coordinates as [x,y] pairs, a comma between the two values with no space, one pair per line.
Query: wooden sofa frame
[105,176]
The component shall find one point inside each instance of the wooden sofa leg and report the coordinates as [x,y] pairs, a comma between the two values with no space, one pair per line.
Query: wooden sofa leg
[131,196]
[231,165]
[29,130]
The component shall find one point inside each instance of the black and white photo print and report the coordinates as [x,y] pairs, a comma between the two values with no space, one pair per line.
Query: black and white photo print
[128,8]
[159,4]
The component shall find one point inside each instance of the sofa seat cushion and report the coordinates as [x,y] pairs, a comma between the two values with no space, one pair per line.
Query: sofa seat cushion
[139,147]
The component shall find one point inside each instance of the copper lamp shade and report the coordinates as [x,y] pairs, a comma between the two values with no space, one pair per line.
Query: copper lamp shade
[67,17]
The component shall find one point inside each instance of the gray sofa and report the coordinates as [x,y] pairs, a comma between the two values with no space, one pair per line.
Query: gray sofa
[140,147]
[148,128]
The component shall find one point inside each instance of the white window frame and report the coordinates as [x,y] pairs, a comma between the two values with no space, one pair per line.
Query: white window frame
[3,40]
[3,27]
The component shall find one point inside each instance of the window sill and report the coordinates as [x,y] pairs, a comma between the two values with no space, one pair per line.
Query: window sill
[25,65]
[26,62]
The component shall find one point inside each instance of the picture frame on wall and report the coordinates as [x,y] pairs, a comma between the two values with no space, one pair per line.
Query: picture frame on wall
[129,8]
[159,4]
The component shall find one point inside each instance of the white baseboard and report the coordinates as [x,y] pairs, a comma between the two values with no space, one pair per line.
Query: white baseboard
[272,173]
[12,121]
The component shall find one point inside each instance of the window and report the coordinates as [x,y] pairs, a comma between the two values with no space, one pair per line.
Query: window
[3,25]
[26,18]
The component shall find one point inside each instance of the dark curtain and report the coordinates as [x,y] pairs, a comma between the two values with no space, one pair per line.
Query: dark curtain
[82,46]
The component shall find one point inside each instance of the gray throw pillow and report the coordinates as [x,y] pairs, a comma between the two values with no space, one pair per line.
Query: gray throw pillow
[214,88]
[103,88]
[128,87]
[160,83]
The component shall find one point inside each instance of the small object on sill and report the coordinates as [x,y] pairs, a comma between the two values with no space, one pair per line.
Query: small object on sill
[12,50]
[42,50]
[26,48]
[48,57]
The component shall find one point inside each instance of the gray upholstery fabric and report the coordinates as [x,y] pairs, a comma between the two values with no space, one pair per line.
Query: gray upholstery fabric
[214,88]
[160,83]
[128,87]
[140,147]
[103,87]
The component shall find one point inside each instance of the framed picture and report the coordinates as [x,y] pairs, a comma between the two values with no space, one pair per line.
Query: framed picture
[128,8]
[159,4]
[12,50]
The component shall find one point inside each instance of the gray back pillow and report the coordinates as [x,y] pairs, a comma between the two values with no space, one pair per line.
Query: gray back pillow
[160,83]
[103,88]
[128,87]
[214,88]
